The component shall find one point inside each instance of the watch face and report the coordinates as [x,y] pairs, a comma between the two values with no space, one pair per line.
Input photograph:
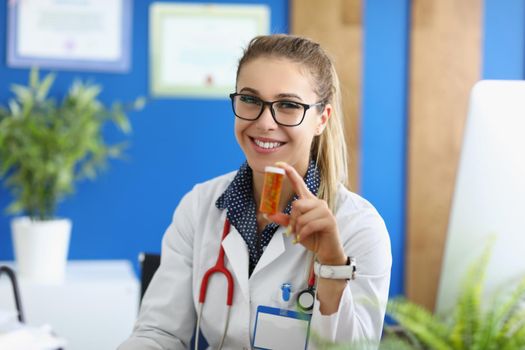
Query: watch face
[305,300]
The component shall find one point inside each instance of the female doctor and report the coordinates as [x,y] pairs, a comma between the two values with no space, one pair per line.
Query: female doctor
[288,115]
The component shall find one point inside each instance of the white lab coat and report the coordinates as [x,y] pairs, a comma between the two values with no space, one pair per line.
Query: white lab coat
[191,244]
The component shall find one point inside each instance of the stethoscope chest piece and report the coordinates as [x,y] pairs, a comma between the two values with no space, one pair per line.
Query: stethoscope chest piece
[305,300]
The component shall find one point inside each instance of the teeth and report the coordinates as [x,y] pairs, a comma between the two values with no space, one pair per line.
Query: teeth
[267,145]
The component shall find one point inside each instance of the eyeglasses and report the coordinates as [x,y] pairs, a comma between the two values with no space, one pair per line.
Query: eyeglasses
[285,113]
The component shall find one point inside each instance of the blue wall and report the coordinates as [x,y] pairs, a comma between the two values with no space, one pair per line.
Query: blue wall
[504,40]
[175,144]
[384,111]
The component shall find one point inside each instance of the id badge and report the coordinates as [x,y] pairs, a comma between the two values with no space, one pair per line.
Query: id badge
[278,329]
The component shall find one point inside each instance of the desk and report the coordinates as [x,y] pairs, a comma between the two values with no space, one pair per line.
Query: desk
[94,308]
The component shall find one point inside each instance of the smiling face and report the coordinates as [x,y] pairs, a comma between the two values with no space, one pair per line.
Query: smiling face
[265,142]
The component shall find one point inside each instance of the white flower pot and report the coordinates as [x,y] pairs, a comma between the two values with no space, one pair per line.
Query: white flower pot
[41,248]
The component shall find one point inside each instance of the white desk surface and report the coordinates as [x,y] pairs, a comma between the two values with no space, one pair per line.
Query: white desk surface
[94,308]
[92,270]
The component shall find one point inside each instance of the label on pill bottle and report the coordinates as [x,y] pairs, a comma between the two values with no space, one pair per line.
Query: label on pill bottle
[271,192]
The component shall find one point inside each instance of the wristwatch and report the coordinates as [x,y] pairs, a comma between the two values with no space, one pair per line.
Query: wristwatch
[338,272]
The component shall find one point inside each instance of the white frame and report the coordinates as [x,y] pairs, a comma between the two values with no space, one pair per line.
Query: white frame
[20,28]
[194,48]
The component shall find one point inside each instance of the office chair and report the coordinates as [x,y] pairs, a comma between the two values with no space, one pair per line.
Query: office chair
[149,262]
[16,292]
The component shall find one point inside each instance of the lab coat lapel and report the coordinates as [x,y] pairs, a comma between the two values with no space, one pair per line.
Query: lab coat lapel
[274,249]
[233,245]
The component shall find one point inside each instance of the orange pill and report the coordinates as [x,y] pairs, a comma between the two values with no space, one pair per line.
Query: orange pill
[271,192]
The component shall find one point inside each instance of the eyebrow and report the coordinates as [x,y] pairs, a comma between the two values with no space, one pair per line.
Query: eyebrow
[278,96]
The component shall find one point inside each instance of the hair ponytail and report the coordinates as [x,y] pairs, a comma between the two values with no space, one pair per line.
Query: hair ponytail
[329,149]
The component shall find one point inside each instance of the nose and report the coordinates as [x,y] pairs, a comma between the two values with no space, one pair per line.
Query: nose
[266,121]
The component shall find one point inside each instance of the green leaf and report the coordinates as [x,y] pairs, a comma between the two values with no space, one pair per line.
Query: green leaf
[391,342]
[43,89]
[117,151]
[122,121]
[15,109]
[515,340]
[139,103]
[415,319]
[22,93]
[508,309]
[511,316]
[15,207]
[33,78]
[7,163]
[468,311]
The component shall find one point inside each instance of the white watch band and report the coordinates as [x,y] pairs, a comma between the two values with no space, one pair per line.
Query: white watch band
[338,272]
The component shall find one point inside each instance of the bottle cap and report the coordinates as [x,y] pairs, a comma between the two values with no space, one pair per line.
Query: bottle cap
[274,169]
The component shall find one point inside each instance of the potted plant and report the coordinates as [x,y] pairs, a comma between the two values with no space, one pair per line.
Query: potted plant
[474,323]
[45,147]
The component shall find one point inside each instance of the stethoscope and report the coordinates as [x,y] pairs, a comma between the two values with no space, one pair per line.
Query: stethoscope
[219,267]
[305,298]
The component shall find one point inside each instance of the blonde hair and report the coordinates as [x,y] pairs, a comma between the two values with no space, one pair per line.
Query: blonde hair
[329,148]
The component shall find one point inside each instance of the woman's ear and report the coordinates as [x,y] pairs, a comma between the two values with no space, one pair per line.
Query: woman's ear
[323,120]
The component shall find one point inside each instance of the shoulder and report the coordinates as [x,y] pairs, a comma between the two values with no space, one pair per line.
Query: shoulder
[350,205]
[209,191]
[204,194]
[216,186]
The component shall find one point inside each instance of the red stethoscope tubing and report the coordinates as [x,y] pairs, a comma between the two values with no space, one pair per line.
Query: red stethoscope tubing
[219,267]
[311,279]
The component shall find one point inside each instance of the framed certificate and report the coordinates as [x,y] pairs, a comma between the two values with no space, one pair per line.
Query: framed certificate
[69,34]
[195,48]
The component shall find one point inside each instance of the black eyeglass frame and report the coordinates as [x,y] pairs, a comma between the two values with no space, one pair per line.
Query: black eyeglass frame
[272,111]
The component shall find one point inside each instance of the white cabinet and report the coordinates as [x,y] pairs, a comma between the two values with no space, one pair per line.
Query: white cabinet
[94,308]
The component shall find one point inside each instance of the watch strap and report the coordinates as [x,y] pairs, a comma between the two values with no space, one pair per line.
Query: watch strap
[339,272]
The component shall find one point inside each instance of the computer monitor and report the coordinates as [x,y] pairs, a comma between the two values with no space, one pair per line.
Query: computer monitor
[489,196]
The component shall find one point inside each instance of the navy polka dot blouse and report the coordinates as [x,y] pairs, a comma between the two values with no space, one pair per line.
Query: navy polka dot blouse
[238,200]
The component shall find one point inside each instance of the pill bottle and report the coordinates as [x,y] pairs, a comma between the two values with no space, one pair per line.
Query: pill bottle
[271,192]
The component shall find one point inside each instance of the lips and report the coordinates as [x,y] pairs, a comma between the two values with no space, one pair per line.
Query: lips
[266,145]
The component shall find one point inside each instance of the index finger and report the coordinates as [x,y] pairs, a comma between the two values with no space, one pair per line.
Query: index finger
[296,180]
